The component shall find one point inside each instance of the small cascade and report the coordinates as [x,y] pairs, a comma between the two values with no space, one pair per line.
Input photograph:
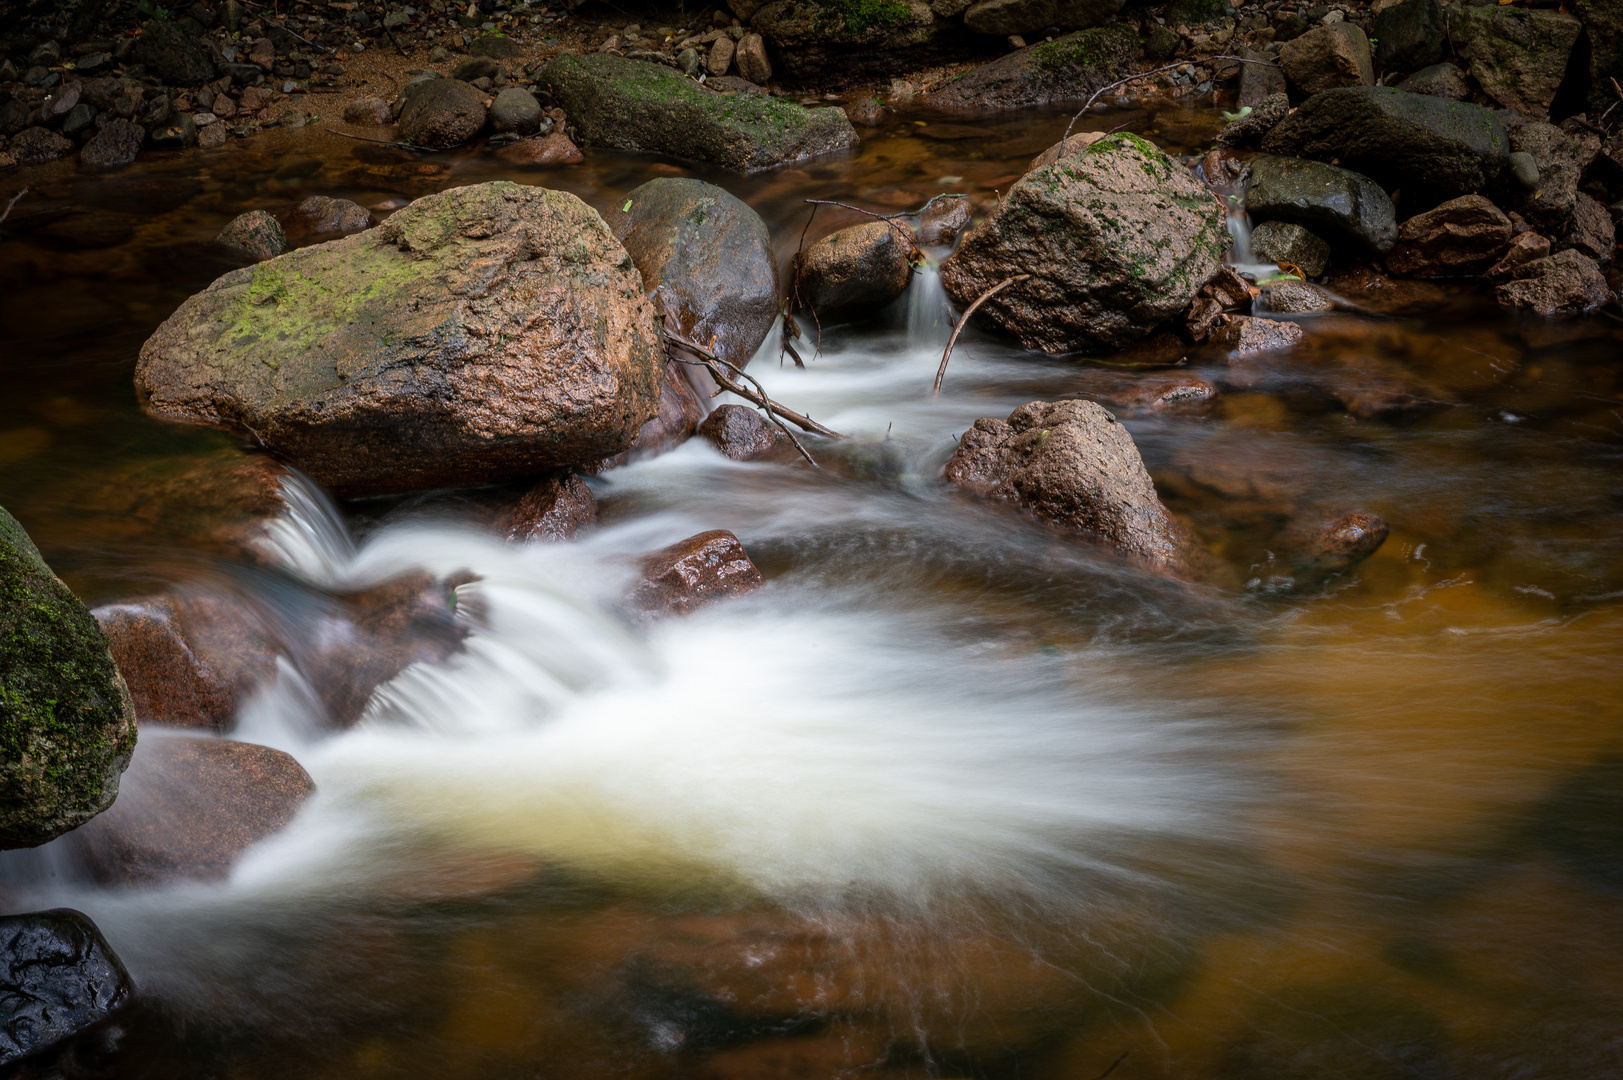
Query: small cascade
[929,312]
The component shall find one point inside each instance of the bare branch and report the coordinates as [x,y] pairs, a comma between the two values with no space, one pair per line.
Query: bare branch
[7,212]
[941,372]
[1144,75]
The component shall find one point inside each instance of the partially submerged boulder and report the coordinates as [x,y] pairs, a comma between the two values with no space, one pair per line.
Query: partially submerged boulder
[855,271]
[66,720]
[673,423]
[58,976]
[325,214]
[1285,242]
[560,507]
[441,113]
[1117,238]
[255,233]
[1566,283]
[741,433]
[944,217]
[630,105]
[1245,335]
[1065,69]
[1329,200]
[693,573]
[1462,237]
[1517,55]
[1071,464]
[480,334]
[709,256]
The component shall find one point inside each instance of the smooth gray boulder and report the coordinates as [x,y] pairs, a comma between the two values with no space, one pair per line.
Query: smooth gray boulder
[1331,201]
[515,110]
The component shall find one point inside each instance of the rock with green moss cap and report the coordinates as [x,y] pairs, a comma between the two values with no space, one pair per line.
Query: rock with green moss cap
[1117,239]
[1066,69]
[67,725]
[632,105]
[1517,56]
[846,42]
[480,334]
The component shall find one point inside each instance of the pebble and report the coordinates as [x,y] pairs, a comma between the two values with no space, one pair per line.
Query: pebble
[1524,169]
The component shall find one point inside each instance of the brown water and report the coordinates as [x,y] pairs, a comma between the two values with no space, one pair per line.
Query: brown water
[952,798]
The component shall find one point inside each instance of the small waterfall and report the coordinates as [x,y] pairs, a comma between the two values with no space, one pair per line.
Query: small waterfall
[309,538]
[929,312]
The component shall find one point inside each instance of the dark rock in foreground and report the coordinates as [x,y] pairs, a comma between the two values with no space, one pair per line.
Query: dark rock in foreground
[58,976]
[66,719]
[631,105]
[478,335]
[1070,463]
[1065,69]
[694,572]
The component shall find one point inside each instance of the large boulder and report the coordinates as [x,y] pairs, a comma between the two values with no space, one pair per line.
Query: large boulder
[1461,237]
[1065,69]
[855,271]
[67,726]
[480,334]
[1117,239]
[1073,465]
[631,105]
[190,807]
[1327,57]
[709,256]
[1566,283]
[1410,35]
[1329,200]
[1431,147]
[441,113]
[1604,21]
[1004,17]
[840,42]
[58,976]
[173,55]
[1517,55]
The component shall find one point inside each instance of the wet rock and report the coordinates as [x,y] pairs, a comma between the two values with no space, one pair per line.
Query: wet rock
[751,59]
[1524,248]
[1280,297]
[1401,140]
[1561,159]
[558,508]
[325,214]
[1169,393]
[1517,55]
[1335,539]
[1118,239]
[214,135]
[1287,242]
[1073,145]
[190,808]
[368,112]
[546,151]
[742,434]
[65,714]
[1243,335]
[673,423]
[1004,17]
[1259,81]
[1332,201]
[1462,237]
[943,219]
[515,109]
[190,660]
[1566,283]
[479,334]
[830,42]
[628,105]
[1066,69]
[1410,35]
[689,63]
[58,976]
[441,113]
[692,573]
[709,256]
[37,145]
[257,233]
[475,67]
[116,145]
[176,133]
[865,111]
[173,55]
[1071,464]
[855,272]
[1250,129]
[1439,80]
[1327,57]
[1592,232]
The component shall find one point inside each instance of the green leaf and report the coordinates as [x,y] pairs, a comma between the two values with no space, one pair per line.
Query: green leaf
[626,209]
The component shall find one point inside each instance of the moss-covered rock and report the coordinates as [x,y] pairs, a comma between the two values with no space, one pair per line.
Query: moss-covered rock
[632,105]
[1117,239]
[67,725]
[839,42]
[1066,69]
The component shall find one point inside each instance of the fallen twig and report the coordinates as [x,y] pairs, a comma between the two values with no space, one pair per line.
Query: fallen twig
[1114,1064]
[941,372]
[719,370]
[795,300]
[1144,75]
[380,142]
[7,212]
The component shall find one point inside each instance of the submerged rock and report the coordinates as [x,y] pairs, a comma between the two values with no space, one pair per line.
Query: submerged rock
[1328,199]
[190,808]
[1566,283]
[692,573]
[631,105]
[477,335]
[1335,539]
[855,271]
[1071,464]
[1118,238]
[255,233]
[1065,69]
[1433,147]
[66,720]
[548,150]
[709,256]
[741,433]
[1461,237]
[1518,56]
[325,214]
[1243,335]
[58,976]
[557,508]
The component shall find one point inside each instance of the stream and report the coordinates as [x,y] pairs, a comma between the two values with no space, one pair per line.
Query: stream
[953,796]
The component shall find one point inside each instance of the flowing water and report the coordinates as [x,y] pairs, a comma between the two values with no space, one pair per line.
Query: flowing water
[953,796]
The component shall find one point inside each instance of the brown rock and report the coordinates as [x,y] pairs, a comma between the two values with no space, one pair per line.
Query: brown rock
[1336,539]
[557,508]
[190,659]
[1243,335]
[366,112]
[1292,298]
[751,59]
[741,433]
[678,416]
[37,145]
[1065,148]
[856,271]
[943,219]
[1327,57]
[1202,318]
[1168,393]
[866,111]
[211,137]
[548,150]
[223,107]
[189,807]
[1461,237]
[1592,232]
[720,57]
[1070,463]
[1258,81]
[324,214]
[1231,291]
[1524,248]
[694,572]
[1566,283]
[441,113]
[255,233]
